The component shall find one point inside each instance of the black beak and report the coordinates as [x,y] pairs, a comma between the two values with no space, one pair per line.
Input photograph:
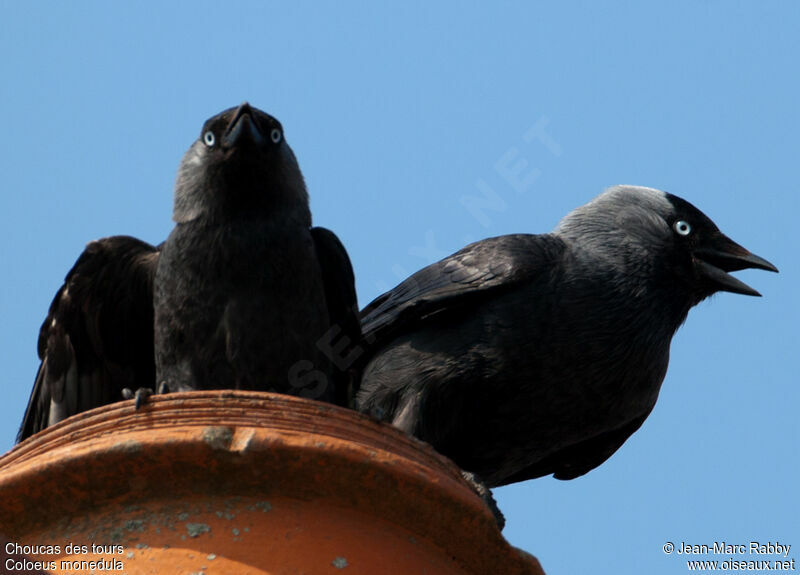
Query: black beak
[242,125]
[721,255]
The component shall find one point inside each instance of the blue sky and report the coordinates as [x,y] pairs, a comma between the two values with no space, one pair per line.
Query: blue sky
[400,117]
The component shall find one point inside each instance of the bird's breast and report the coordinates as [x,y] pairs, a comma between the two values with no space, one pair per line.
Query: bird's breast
[248,295]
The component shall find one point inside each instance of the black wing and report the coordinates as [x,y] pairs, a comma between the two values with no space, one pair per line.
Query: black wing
[477,271]
[98,335]
[340,295]
[579,459]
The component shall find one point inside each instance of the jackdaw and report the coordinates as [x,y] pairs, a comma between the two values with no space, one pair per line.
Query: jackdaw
[528,355]
[244,294]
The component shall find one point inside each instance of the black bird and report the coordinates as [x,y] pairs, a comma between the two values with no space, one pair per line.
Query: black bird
[528,355]
[244,294]
[246,291]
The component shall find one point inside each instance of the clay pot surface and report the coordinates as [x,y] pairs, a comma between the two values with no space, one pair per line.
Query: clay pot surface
[236,482]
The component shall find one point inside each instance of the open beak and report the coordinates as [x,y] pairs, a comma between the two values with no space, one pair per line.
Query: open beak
[242,125]
[721,255]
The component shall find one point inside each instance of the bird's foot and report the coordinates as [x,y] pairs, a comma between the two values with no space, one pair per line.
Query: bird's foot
[143,393]
[486,496]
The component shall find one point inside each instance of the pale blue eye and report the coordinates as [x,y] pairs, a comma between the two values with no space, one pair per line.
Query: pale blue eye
[275,135]
[209,139]
[682,228]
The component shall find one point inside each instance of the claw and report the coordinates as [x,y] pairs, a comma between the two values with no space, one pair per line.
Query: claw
[141,394]
[486,495]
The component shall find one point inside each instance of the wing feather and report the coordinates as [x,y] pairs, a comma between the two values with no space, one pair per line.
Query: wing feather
[340,295]
[97,337]
[479,270]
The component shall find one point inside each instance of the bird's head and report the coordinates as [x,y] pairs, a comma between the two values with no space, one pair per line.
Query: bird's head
[240,164]
[655,236]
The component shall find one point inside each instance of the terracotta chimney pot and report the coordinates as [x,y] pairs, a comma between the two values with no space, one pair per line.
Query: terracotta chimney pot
[234,482]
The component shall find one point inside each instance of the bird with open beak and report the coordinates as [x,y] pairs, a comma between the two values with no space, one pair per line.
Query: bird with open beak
[529,355]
